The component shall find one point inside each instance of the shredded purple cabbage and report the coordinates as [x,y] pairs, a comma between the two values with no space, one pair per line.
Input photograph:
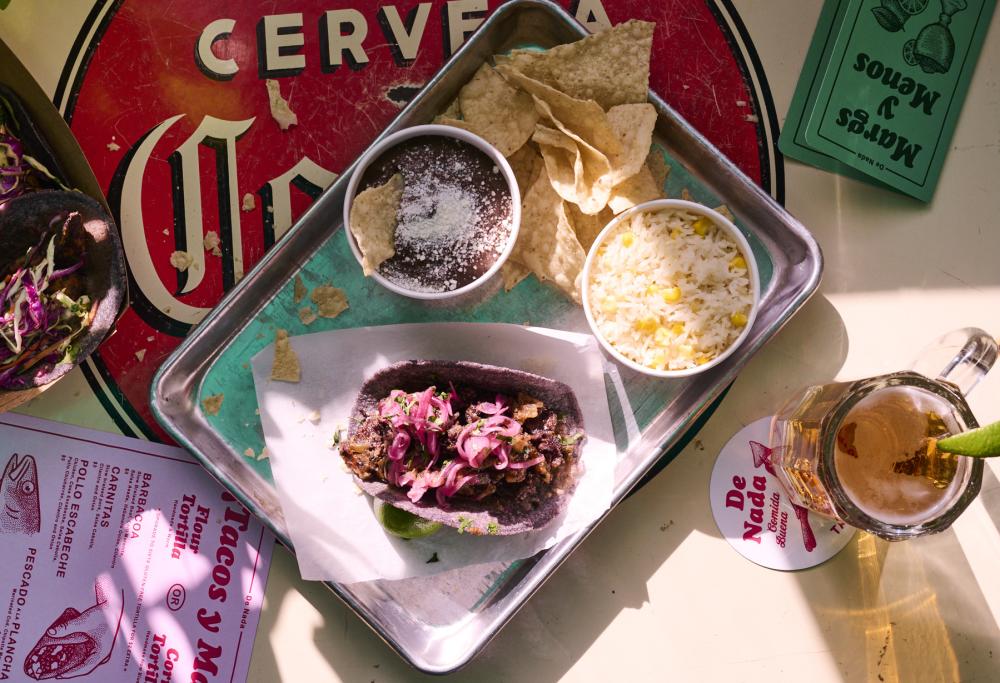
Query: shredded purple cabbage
[38,320]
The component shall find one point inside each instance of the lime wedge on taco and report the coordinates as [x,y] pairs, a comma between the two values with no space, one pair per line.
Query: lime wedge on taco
[402,523]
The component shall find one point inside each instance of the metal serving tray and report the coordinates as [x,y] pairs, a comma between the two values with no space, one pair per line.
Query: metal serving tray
[439,623]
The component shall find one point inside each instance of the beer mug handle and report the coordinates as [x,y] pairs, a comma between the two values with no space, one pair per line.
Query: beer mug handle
[961,357]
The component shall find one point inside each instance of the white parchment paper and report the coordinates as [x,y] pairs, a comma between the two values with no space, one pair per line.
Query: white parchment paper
[331,522]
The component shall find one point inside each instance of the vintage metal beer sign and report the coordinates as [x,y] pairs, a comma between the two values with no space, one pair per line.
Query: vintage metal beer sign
[212,126]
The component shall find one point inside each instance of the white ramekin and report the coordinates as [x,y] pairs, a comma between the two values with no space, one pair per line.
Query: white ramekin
[718,219]
[376,150]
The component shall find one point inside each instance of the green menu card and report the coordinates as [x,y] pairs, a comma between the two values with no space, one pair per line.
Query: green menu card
[883,86]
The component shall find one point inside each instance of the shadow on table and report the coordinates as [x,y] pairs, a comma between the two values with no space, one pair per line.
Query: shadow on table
[607,575]
[914,610]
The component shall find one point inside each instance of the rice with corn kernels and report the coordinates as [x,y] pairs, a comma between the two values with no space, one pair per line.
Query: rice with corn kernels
[669,289]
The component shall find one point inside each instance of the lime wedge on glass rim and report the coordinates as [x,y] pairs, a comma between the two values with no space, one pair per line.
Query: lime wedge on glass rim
[983,442]
[402,523]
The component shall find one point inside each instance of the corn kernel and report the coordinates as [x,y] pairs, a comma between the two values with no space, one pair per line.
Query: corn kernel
[738,263]
[685,350]
[675,233]
[662,336]
[672,294]
[646,324]
[659,361]
[628,239]
[652,290]
[702,359]
[677,328]
[609,306]
[738,319]
[702,225]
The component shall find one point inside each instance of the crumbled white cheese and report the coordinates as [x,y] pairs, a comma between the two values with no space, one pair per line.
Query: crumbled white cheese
[181,260]
[280,111]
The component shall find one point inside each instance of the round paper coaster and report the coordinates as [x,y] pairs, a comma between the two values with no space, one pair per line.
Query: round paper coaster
[754,514]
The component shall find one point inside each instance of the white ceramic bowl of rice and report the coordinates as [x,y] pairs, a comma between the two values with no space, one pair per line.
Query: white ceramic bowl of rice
[670,288]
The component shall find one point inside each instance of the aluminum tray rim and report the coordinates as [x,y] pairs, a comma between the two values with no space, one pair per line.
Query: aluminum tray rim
[551,559]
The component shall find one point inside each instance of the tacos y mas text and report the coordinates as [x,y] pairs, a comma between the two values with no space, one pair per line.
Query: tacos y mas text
[484,449]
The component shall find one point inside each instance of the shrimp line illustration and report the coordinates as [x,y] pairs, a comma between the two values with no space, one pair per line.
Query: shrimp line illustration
[77,642]
[19,491]
[764,456]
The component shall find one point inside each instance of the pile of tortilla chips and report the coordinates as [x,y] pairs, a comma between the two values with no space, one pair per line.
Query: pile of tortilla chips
[576,127]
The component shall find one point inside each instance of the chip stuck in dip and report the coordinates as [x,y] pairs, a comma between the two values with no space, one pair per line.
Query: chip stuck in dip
[434,212]
[484,449]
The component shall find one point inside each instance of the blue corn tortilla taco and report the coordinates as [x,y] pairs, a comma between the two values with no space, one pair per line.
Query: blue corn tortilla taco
[62,282]
[483,449]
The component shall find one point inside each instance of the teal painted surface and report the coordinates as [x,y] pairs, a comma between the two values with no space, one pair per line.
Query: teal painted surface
[370,305]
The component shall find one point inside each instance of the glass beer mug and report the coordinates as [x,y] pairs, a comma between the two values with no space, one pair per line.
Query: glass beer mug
[862,452]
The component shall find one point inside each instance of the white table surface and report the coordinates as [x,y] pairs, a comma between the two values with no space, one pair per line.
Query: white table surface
[655,593]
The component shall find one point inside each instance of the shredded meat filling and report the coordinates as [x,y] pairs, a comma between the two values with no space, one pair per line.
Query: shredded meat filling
[543,433]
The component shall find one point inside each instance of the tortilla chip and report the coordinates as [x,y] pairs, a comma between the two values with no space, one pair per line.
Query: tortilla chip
[587,228]
[307,315]
[526,163]
[547,244]
[581,119]
[212,404]
[330,300]
[459,123]
[453,110]
[638,189]
[286,364]
[512,274]
[181,260]
[724,210]
[280,111]
[611,67]
[633,124]
[211,243]
[504,116]
[578,173]
[657,165]
[373,222]
[299,291]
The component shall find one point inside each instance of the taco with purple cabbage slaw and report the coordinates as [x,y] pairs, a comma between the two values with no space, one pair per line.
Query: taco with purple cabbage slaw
[62,274]
[484,449]
[57,272]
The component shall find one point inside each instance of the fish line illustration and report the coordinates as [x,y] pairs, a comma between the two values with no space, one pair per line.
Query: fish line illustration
[20,513]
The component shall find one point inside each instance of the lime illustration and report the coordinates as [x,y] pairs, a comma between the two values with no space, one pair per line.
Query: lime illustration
[402,523]
[912,7]
[908,54]
[983,442]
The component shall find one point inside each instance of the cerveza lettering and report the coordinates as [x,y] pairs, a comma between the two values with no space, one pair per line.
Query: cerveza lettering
[916,95]
[343,33]
[12,630]
[235,520]
[187,531]
[346,37]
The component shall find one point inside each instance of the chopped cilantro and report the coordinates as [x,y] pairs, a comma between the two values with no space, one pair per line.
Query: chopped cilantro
[464,524]
[492,528]
[570,439]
